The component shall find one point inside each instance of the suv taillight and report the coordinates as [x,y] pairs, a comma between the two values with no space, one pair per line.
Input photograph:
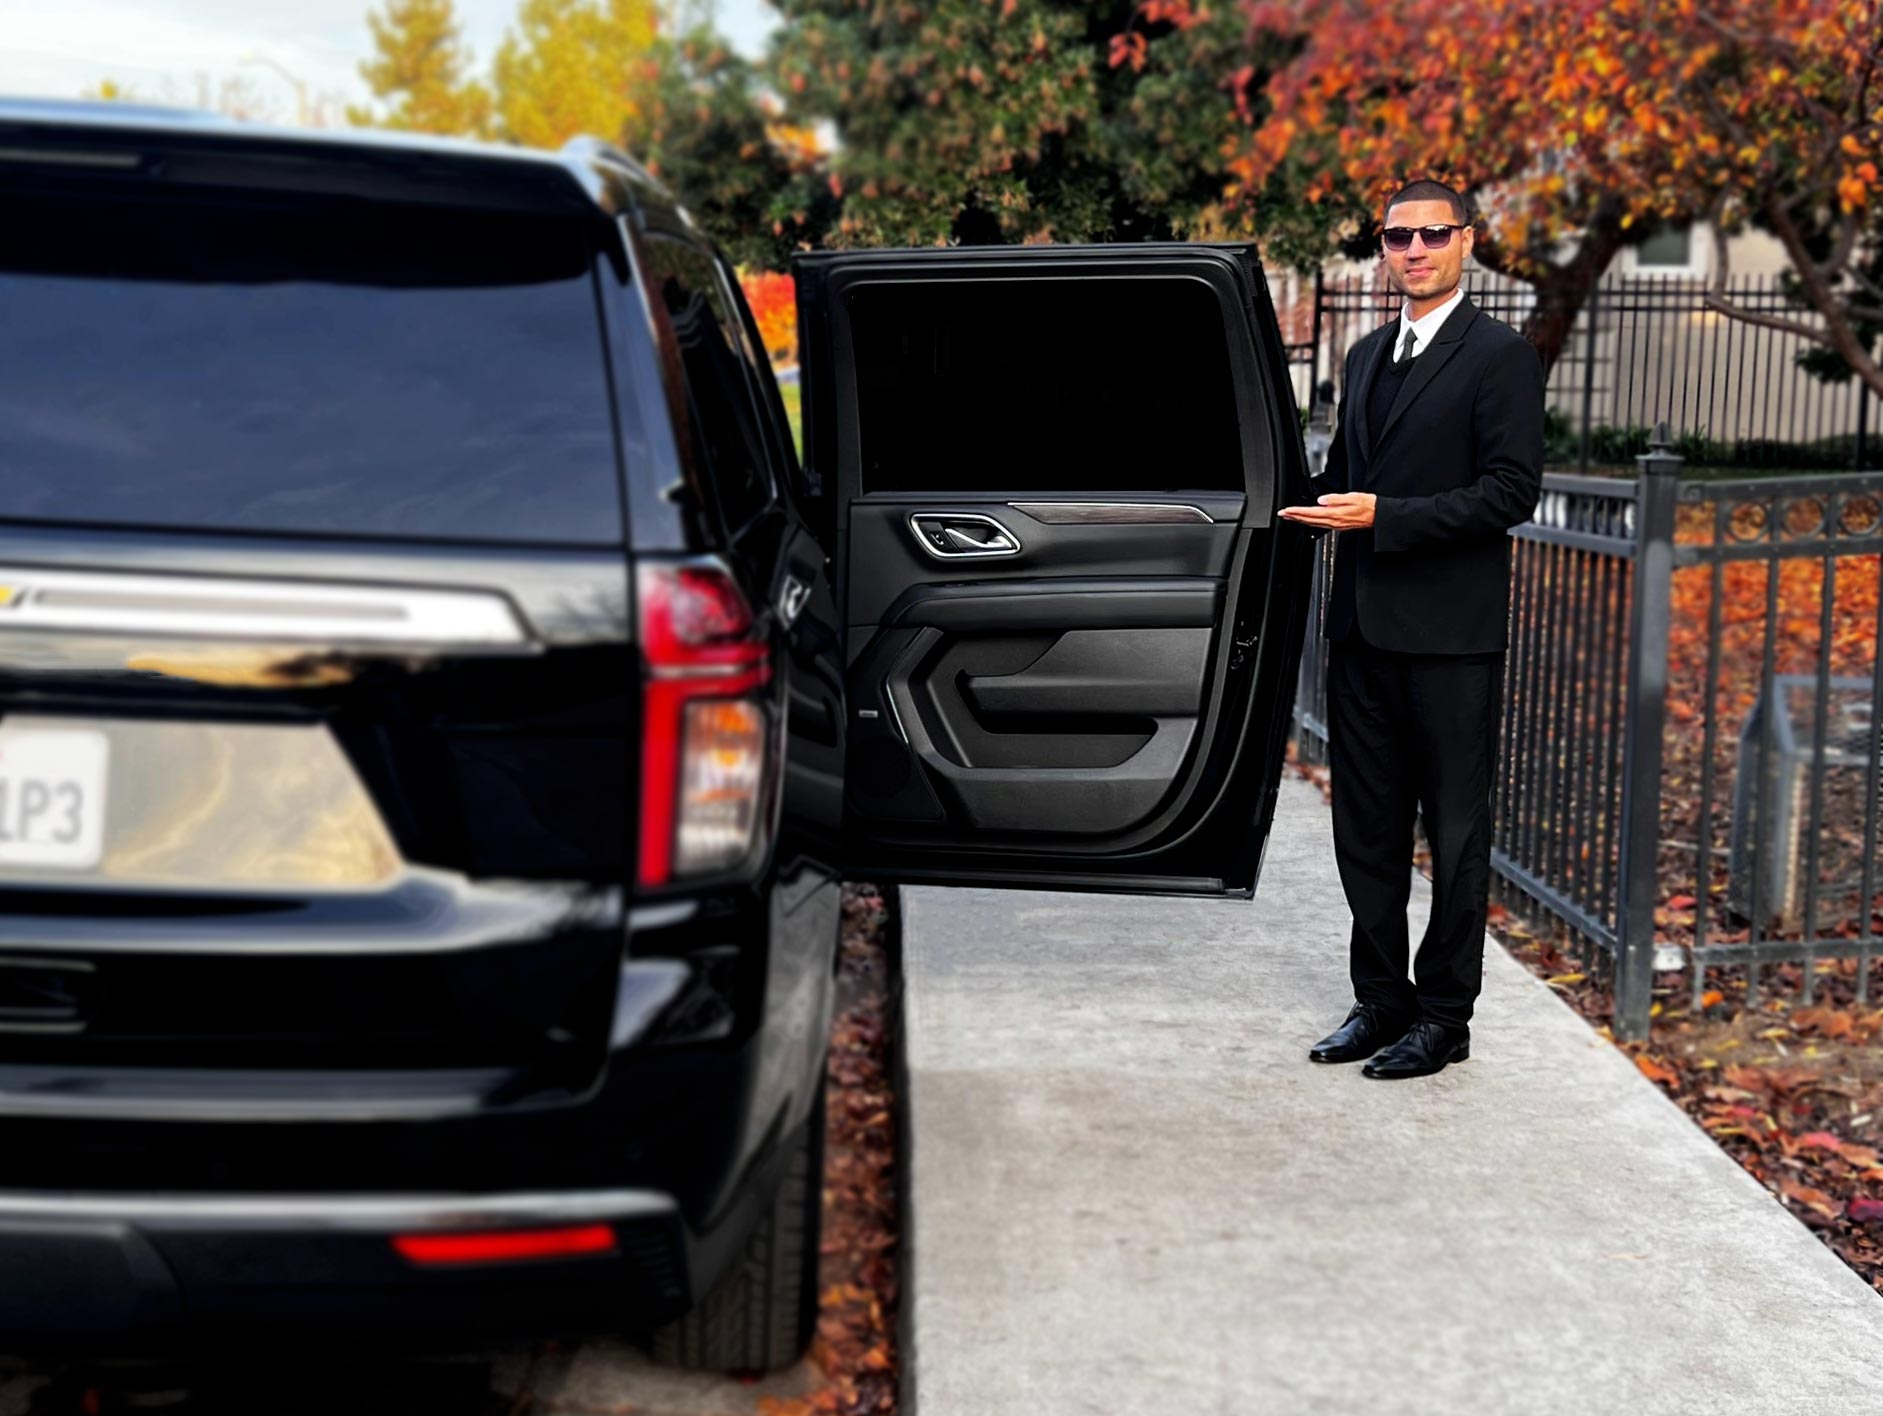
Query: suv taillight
[703,733]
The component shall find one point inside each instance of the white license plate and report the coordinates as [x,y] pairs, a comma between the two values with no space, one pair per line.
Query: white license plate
[52,797]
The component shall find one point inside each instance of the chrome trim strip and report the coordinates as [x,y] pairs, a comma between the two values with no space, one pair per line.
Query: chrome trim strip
[895,713]
[72,157]
[272,611]
[1112,513]
[662,914]
[66,1097]
[339,1213]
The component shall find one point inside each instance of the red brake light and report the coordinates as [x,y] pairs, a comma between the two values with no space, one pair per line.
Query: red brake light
[703,767]
[505,1246]
[708,608]
[693,616]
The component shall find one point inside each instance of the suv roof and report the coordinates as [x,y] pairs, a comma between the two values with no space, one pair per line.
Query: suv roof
[196,147]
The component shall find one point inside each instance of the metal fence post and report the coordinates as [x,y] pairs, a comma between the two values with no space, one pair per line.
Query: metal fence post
[1320,302]
[1594,309]
[1862,455]
[1650,609]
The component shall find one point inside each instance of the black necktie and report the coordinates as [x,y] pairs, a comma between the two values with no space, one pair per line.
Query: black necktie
[1404,356]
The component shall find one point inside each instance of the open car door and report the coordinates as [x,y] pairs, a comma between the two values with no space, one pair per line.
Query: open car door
[1072,615]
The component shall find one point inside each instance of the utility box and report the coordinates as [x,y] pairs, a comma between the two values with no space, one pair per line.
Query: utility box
[1777,743]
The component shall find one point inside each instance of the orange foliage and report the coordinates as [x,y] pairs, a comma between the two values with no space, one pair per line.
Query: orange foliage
[1797,622]
[1806,612]
[1659,107]
[774,301]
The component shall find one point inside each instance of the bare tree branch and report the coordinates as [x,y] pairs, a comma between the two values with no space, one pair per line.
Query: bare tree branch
[1738,312]
[1838,333]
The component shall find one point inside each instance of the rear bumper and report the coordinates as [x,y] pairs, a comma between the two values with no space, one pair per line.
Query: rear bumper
[195,1203]
[131,1267]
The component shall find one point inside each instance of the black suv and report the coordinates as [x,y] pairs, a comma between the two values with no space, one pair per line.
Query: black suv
[437,708]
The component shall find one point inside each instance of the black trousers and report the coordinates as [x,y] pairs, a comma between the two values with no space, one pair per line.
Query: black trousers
[1414,733]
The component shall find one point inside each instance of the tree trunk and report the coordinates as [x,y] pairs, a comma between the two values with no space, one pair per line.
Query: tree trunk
[1562,290]
[1840,329]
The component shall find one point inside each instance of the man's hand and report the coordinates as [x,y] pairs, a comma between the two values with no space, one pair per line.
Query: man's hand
[1338,511]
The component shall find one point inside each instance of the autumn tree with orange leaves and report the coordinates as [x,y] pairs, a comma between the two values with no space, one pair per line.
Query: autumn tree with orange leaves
[677,96]
[1578,124]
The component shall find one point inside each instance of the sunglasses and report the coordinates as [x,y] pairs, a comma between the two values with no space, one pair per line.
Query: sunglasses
[1436,238]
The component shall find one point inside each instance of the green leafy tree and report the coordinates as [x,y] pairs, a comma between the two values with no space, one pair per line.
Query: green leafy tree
[1000,120]
[421,72]
[707,133]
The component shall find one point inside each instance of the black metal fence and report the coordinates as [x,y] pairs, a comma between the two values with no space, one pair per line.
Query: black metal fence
[1689,767]
[1639,349]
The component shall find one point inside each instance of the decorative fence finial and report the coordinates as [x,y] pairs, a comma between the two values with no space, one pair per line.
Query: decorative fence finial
[1660,456]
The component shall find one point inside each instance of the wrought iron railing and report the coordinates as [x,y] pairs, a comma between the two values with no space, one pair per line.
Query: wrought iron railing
[1689,760]
[1634,349]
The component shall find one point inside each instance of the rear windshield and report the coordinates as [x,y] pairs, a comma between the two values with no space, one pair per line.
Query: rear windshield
[318,368]
[1088,385]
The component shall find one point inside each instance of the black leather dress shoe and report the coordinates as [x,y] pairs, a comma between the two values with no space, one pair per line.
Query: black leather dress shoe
[1426,1048]
[1365,1032]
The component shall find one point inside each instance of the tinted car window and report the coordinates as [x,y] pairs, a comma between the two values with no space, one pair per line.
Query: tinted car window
[759,373]
[723,404]
[304,368]
[1044,385]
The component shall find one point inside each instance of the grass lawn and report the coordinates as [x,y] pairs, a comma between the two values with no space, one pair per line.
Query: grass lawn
[793,395]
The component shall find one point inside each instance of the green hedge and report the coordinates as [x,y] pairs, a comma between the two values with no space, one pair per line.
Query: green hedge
[1562,442]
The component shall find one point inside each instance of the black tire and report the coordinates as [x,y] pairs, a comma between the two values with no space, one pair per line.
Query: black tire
[762,1313]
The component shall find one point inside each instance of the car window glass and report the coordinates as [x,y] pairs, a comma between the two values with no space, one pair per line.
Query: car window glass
[759,369]
[303,367]
[1044,385]
[725,415]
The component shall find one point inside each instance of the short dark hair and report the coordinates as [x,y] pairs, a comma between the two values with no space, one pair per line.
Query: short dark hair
[1426,190]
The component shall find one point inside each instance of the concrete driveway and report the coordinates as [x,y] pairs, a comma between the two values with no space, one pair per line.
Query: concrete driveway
[1131,1192]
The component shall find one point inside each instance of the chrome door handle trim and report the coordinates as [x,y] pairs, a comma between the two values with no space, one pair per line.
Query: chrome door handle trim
[964,546]
[963,541]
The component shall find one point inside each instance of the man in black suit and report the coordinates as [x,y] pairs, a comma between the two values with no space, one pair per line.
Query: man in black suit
[1438,453]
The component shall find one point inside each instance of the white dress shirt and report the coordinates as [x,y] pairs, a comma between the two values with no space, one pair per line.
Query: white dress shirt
[1425,328]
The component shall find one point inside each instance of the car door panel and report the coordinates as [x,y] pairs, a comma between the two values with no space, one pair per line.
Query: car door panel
[1071,679]
[1131,672]
[1067,774]
[887,555]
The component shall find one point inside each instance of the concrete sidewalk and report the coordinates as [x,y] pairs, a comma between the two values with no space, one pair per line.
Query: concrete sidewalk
[1132,1193]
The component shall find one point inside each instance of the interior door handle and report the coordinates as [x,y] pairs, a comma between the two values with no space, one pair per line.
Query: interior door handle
[987,541]
[953,535]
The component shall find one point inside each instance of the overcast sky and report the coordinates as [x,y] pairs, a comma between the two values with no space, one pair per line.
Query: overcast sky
[61,48]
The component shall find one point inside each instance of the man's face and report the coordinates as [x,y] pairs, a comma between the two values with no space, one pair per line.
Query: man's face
[1417,272]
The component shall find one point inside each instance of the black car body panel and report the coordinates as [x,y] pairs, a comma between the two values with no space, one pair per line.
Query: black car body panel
[375,589]
[397,964]
[1072,617]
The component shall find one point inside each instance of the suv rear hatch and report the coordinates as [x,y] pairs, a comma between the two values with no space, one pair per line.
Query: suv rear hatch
[317,696]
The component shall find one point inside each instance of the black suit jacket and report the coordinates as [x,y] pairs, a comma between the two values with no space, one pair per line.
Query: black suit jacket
[1459,462]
